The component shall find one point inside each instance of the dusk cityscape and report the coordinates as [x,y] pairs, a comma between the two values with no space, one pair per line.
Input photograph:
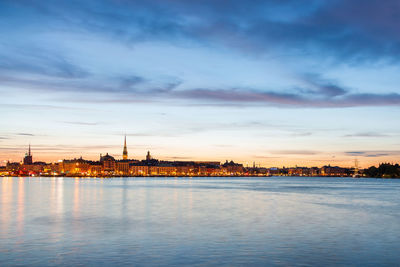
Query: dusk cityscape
[199,133]
[108,166]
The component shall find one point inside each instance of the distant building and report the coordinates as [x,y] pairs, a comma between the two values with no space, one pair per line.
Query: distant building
[233,168]
[75,167]
[33,169]
[136,169]
[28,157]
[299,171]
[96,169]
[274,171]
[166,169]
[108,163]
[333,171]
[3,171]
[13,166]
[122,167]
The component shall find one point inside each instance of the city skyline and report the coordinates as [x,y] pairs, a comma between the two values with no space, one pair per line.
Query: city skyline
[279,83]
[122,166]
[109,166]
[125,156]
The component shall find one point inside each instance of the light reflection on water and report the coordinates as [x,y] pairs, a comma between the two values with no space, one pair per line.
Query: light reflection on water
[199,221]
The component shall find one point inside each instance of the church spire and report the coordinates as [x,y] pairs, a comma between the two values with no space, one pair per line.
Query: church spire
[28,157]
[125,152]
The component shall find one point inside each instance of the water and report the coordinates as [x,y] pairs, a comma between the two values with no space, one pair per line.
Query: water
[199,221]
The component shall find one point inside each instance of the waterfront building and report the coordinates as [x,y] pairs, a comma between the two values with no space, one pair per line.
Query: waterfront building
[299,171]
[108,163]
[3,171]
[233,168]
[214,170]
[202,171]
[274,171]
[33,169]
[185,170]
[75,167]
[51,168]
[13,166]
[153,170]
[28,157]
[96,168]
[334,171]
[166,170]
[314,171]
[139,170]
[122,167]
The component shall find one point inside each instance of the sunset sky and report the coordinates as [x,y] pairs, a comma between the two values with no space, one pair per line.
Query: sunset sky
[281,83]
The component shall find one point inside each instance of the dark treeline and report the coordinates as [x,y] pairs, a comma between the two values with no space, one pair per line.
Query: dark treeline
[385,170]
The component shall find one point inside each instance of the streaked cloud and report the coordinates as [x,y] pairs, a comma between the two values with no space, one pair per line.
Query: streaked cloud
[81,123]
[367,134]
[25,134]
[294,152]
[342,29]
[374,154]
[293,100]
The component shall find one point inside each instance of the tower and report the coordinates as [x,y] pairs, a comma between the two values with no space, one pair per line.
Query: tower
[28,157]
[125,152]
[148,156]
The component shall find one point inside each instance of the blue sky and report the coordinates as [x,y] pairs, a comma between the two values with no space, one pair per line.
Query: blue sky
[275,82]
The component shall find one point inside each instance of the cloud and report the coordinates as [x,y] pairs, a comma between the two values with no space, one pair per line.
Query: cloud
[25,134]
[339,30]
[348,30]
[59,148]
[301,134]
[372,153]
[235,95]
[81,123]
[318,85]
[264,157]
[319,94]
[291,99]
[38,61]
[144,134]
[377,155]
[355,153]
[113,89]
[178,158]
[294,152]
[129,82]
[366,134]
[38,107]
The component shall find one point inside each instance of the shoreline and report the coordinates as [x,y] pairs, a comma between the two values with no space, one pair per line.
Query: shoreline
[195,176]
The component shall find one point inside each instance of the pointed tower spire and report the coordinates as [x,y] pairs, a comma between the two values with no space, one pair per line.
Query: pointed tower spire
[125,151]
[28,156]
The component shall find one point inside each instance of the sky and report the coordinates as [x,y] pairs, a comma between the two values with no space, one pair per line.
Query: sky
[278,83]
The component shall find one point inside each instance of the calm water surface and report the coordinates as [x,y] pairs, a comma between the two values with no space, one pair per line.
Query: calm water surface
[199,221]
